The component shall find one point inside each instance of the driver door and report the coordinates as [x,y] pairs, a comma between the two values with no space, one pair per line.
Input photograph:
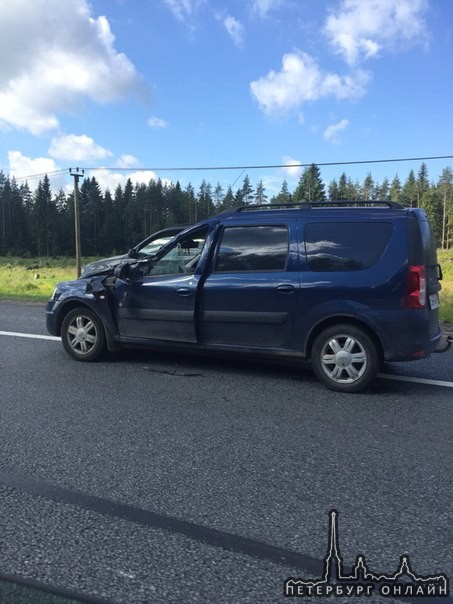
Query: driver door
[160,303]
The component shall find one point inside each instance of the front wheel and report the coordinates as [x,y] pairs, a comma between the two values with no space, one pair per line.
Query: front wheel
[345,358]
[82,334]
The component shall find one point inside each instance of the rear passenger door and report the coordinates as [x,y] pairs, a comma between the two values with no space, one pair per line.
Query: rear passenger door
[249,296]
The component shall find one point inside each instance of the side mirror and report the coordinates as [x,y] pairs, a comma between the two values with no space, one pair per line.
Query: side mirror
[132,253]
[122,271]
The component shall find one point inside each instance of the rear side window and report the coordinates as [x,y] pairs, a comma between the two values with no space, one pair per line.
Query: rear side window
[345,246]
[253,248]
[422,243]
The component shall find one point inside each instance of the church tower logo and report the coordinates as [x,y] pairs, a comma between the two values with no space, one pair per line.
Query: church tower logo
[404,582]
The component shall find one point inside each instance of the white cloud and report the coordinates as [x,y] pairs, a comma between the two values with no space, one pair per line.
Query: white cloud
[264,7]
[362,29]
[235,30]
[109,179]
[62,56]
[27,169]
[301,80]
[184,10]
[77,148]
[126,161]
[157,122]
[331,132]
[293,169]
[21,166]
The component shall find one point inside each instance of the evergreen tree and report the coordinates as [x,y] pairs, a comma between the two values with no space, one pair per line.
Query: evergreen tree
[118,229]
[44,217]
[344,189]
[176,201]
[422,182]
[260,194]
[205,202]
[138,227]
[228,201]
[13,220]
[156,205]
[38,223]
[383,190]
[284,195]
[333,190]
[191,204]
[108,233]
[409,192]
[431,202]
[91,216]
[445,187]
[246,192]
[310,186]
[367,188]
[130,220]
[218,196]
[65,228]
[395,189]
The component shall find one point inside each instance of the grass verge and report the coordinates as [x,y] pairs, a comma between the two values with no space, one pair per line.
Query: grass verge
[34,279]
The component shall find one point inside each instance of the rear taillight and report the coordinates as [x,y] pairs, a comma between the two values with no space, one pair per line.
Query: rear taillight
[415,294]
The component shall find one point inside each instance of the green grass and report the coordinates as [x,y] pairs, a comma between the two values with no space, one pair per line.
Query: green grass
[34,279]
[445,258]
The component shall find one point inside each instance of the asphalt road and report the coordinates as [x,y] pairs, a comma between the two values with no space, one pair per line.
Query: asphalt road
[161,478]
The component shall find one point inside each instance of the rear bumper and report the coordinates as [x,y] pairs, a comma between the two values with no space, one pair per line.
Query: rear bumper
[408,335]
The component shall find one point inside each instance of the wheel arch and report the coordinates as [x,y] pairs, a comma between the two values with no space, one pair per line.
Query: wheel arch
[343,319]
[77,303]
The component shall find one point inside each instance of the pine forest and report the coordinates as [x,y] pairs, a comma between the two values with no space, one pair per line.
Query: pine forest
[41,222]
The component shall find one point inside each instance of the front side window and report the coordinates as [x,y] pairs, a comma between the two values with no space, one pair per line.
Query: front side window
[253,248]
[345,246]
[154,246]
[183,256]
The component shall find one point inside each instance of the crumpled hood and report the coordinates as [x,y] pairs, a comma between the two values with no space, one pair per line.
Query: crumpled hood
[104,266]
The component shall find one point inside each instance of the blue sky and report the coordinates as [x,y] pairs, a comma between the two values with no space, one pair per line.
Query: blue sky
[148,84]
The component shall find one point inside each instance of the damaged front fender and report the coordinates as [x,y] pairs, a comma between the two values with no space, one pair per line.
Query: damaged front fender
[92,292]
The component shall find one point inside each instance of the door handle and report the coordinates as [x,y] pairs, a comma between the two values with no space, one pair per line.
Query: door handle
[184,291]
[286,288]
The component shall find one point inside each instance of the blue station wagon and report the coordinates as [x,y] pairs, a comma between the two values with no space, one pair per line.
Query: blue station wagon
[345,285]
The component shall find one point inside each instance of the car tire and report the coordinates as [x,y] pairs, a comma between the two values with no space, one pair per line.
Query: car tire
[345,358]
[82,334]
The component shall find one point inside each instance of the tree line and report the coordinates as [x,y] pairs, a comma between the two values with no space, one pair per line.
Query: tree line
[41,222]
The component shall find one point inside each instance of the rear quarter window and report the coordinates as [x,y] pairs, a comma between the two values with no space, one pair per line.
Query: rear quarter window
[422,243]
[345,246]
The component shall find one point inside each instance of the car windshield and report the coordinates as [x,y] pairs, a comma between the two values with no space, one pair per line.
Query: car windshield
[154,246]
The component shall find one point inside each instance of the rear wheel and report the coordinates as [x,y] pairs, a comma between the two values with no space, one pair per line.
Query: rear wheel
[345,358]
[82,334]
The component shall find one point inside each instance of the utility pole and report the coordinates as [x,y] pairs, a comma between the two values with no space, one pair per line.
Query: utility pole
[77,174]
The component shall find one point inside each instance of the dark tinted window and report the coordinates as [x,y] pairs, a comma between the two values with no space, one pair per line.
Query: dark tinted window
[254,248]
[428,243]
[345,246]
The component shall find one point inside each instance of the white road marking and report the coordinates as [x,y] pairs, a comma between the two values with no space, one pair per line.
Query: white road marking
[406,378]
[35,336]
[386,376]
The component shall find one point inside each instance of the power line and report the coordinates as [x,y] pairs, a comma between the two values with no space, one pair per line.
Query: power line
[270,166]
[243,168]
[43,174]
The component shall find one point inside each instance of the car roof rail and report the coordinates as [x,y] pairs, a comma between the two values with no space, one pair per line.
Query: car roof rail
[347,203]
